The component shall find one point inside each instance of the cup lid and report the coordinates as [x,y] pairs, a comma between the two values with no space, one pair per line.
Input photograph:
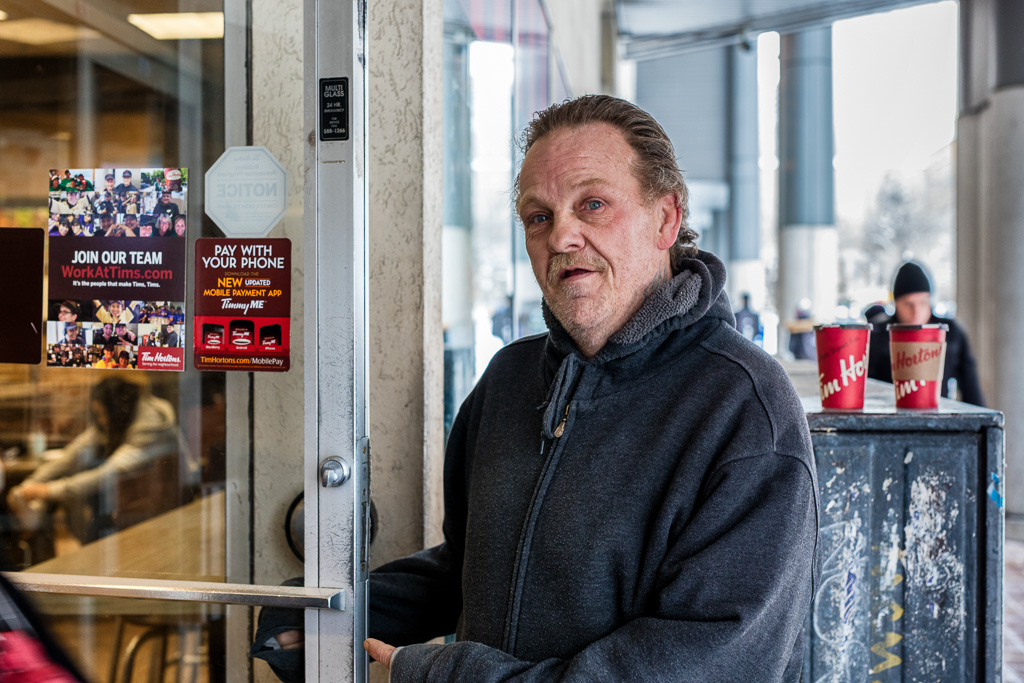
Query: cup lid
[929,326]
[843,326]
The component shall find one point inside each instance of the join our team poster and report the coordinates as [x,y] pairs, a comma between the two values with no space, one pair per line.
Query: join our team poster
[117,239]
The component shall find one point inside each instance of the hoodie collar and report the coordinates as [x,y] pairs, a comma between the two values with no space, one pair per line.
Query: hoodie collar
[696,291]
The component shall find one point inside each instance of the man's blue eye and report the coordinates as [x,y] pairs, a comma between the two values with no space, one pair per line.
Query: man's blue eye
[538,219]
[594,205]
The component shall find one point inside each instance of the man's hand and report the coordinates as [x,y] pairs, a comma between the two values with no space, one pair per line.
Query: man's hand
[380,651]
[291,640]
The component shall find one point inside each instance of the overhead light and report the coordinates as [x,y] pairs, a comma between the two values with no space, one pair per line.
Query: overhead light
[180,25]
[3,15]
[42,32]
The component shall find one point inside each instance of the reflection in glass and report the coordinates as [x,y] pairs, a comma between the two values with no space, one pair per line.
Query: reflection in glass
[119,639]
[98,121]
[124,477]
[130,462]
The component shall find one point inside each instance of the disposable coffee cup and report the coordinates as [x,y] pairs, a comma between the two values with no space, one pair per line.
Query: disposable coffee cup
[842,365]
[918,354]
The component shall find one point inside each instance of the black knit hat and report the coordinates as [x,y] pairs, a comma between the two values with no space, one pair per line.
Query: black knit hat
[910,278]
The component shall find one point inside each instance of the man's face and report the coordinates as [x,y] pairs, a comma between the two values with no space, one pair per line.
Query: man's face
[122,362]
[126,178]
[165,199]
[595,244]
[115,308]
[72,197]
[110,183]
[914,309]
[145,230]
[71,331]
[66,315]
[106,221]
[121,329]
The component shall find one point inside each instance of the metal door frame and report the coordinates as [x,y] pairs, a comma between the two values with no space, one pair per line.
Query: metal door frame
[337,413]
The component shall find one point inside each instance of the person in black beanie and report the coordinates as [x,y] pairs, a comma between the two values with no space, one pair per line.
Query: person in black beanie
[912,293]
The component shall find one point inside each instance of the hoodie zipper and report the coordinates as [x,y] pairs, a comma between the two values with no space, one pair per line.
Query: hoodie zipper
[560,429]
[526,535]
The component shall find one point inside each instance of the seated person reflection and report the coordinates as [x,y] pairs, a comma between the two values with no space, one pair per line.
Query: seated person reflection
[129,428]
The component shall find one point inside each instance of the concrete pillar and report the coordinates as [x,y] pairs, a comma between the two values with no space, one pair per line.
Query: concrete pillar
[746,271]
[404,173]
[990,217]
[405,102]
[808,243]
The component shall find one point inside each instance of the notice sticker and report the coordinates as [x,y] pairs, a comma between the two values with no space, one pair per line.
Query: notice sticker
[243,304]
[118,243]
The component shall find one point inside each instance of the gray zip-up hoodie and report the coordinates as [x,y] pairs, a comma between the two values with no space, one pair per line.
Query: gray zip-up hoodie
[649,514]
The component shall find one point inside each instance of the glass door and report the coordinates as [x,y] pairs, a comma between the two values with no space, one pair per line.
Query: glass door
[149,508]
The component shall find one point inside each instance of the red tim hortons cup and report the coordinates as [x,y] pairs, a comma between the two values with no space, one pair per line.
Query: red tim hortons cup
[842,365]
[918,358]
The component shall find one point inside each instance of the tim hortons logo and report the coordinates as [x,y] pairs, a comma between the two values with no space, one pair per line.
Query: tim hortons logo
[906,360]
[909,387]
[848,374]
[158,357]
[917,360]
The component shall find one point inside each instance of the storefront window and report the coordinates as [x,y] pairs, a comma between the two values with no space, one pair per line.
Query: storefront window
[497,75]
[121,87]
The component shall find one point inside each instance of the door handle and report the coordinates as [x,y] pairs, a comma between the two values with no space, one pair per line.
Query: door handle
[334,472]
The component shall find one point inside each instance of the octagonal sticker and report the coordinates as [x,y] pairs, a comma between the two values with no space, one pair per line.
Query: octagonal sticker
[246,191]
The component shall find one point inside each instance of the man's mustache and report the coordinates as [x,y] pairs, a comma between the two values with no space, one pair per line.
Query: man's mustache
[562,262]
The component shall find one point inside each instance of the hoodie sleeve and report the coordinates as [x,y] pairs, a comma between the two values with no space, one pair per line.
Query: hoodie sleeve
[419,597]
[731,605]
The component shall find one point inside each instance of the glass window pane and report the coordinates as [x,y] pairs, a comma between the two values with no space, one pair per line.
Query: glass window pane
[137,639]
[115,471]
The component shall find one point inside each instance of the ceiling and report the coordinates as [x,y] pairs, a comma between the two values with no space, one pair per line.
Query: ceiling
[658,28]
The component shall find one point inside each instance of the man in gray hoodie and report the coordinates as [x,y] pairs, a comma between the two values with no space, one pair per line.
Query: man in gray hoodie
[631,496]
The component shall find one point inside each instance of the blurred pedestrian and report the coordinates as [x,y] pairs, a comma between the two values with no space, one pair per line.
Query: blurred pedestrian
[748,322]
[912,293]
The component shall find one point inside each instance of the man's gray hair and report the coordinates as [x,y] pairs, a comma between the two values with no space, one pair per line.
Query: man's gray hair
[655,168]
